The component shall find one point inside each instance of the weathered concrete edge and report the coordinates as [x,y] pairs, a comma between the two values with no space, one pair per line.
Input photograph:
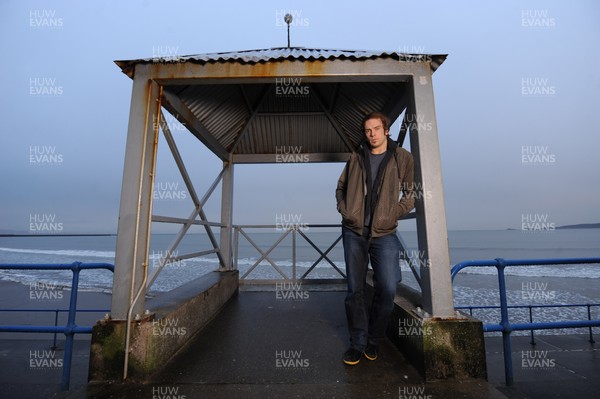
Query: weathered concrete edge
[176,317]
[440,349]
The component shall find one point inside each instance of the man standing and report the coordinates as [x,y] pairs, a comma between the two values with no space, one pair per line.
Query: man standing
[368,197]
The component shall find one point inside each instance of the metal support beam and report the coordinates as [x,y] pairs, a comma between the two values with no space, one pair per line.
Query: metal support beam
[191,220]
[431,213]
[404,126]
[339,129]
[183,114]
[226,217]
[131,257]
[253,115]
[374,70]
[393,109]
[274,158]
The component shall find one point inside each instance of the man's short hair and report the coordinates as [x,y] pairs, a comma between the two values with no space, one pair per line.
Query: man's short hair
[385,121]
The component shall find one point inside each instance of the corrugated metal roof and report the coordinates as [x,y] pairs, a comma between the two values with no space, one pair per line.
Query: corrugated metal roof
[286,53]
[284,121]
[250,119]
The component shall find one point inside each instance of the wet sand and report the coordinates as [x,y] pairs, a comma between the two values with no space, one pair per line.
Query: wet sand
[19,296]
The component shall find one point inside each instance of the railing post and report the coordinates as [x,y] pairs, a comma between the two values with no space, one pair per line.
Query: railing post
[508,371]
[226,216]
[236,243]
[55,325]
[590,318]
[294,254]
[66,375]
[531,321]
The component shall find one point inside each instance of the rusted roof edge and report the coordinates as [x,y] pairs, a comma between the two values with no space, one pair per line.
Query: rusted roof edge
[281,54]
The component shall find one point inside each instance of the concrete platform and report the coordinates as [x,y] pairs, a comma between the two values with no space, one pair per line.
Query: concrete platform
[265,346]
[175,317]
[245,352]
[19,380]
[558,366]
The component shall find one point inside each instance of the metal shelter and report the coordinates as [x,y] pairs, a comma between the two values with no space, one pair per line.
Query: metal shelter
[245,107]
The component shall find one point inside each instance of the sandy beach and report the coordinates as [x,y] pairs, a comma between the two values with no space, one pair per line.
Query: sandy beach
[47,297]
[30,367]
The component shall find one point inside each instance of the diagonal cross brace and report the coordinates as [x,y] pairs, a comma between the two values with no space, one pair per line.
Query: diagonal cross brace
[264,255]
[323,255]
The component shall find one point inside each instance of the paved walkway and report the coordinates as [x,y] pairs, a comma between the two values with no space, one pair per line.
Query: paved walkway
[557,366]
[261,346]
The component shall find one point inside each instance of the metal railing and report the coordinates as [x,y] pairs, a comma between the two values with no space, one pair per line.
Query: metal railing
[71,328]
[531,307]
[285,231]
[505,326]
[56,312]
[298,230]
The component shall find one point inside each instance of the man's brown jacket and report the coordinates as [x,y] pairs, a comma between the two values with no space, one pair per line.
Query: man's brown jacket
[352,190]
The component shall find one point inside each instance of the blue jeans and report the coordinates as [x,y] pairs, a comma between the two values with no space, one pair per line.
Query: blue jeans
[367,323]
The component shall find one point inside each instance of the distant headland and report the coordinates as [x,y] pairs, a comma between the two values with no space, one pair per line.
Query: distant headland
[581,226]
[569,226]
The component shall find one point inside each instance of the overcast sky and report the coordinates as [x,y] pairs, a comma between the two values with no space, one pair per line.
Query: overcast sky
[517,102]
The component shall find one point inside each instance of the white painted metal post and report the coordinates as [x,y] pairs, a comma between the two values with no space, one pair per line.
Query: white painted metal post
[431,213]
[136,196]
[226,216]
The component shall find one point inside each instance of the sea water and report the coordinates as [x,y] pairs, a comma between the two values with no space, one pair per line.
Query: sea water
[464,245]
[578,283]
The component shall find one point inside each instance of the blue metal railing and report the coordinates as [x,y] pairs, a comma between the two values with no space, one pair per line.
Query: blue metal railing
[56,312]
[531,307]
[505,326]
[71,328]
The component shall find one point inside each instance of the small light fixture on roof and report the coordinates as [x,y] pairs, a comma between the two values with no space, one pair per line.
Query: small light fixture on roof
[288,20]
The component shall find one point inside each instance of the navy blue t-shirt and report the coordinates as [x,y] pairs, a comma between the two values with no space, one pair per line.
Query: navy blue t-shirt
[375,162]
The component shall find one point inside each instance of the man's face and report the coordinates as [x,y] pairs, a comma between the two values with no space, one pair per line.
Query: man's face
[376,134]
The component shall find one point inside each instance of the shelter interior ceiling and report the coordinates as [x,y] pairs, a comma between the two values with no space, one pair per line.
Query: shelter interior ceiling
[262,117]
